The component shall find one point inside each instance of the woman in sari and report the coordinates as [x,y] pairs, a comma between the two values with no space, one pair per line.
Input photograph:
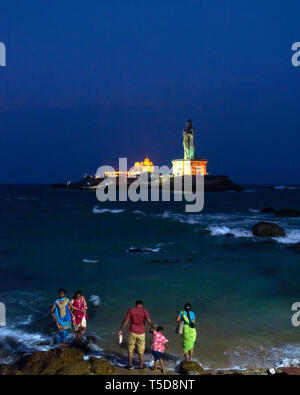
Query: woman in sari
[189,331]
[79,315]
[62,316]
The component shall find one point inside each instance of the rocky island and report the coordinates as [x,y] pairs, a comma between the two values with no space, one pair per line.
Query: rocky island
[190,165]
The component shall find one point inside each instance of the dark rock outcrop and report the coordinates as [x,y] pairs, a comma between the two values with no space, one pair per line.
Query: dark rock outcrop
[289,212]
[55,362]
[101,366]
[190,367]
[268,229]
[9,370]
[211,183]
[268,210]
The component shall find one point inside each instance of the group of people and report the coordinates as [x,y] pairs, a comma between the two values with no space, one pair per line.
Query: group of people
[138,316]
[68,314]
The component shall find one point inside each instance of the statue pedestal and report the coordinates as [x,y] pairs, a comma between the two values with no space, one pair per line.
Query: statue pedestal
[189,167]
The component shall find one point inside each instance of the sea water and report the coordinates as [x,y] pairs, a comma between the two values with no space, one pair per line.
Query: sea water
[241,288]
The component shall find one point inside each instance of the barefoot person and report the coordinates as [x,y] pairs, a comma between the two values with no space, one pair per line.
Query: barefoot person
[158,347]
[189,330]
[79,315]
[62,316]
[137,316]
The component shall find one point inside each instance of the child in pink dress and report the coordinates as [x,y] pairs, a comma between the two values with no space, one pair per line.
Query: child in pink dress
[158,347]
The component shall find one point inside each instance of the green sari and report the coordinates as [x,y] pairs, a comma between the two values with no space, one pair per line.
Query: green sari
[188,336]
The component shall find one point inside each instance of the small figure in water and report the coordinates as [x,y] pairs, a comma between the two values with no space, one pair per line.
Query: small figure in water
[189,331]
[62,316]
[79,315]
[158,347]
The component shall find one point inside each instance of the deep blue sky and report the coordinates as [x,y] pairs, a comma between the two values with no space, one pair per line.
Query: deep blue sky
[88,82]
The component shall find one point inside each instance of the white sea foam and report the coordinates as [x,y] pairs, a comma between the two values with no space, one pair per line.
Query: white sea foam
[223,230]
[97,210]
[90,260]
[283,187]
[292,237]
[142,250]
[18,340]
[264,357]
[95,300]
[254,211]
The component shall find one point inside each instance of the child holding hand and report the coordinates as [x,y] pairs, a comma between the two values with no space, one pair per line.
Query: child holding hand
[158,347]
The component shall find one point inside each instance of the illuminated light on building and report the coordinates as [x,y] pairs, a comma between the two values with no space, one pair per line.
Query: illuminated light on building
[189,167]
[145,166]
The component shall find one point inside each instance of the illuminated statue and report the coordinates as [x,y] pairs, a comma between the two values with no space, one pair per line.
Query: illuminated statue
[188,141]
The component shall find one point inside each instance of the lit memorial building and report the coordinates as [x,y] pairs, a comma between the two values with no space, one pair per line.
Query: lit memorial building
[146,166]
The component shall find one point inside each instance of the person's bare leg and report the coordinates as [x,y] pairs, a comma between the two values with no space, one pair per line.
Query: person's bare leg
[155,365]
[191,354]
[162,365]
[141,360]
[130,354]
[186,356]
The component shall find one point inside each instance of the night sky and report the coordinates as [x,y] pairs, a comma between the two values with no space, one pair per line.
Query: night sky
[89,81]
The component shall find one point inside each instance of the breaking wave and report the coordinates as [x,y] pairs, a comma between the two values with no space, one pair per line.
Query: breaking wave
[292,237]
[223,230]
[97,210]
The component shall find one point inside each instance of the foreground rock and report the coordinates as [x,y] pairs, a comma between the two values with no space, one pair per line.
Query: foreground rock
[55,362]
[268,229]
[190,367]
[290,371]
[268,210]
[291,213]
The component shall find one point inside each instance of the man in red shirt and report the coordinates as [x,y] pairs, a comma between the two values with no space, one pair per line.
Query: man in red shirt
[137,316]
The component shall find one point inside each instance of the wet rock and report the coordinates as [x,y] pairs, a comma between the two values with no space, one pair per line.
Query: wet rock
[101,366]
[9,370]
[291,213]
[268,229]
[291,371]
[50,362]
[82,368]
[54,362]
[268,210]
[190,367]
[229,235]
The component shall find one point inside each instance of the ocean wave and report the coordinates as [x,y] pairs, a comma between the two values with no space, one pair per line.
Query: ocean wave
[223,230]
[97,210]
[292,237]
[95,300]
[142,250]
[265,357]
[90,260]
[283,187]
[16,340]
